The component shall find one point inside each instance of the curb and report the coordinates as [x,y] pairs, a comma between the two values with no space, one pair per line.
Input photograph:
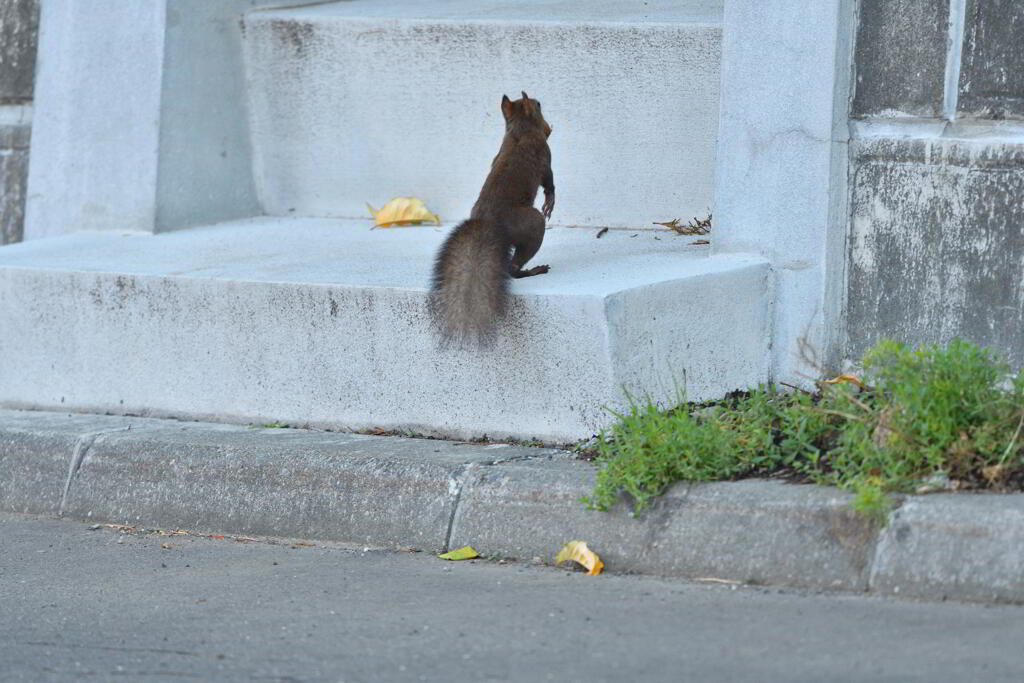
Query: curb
[504,500]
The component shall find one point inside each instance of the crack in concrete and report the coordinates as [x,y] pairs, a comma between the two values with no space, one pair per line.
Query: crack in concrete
[457,483]
[876,552]
[514,458]
[82,446]
[798,131]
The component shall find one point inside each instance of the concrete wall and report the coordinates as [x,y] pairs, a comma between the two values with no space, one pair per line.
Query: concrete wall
[936,243]
[18,30]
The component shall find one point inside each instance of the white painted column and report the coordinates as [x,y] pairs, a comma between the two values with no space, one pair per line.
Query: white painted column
[97,117]
[140,117]
[782,163]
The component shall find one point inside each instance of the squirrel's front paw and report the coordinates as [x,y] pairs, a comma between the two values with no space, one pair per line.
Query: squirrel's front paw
[549,205]
[530,272]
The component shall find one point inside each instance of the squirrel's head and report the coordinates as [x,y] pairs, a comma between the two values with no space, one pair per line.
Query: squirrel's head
[524,112]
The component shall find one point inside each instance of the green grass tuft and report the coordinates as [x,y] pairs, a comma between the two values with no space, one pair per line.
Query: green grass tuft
[649,449]
[932,418]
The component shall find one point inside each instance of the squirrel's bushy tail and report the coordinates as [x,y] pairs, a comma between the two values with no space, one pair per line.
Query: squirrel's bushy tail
[469,291]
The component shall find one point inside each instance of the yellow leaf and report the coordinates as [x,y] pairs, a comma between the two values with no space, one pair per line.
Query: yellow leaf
[577,551]
[403,211]
[466,552]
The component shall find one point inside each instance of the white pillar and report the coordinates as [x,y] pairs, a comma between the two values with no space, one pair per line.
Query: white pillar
[782,162]
[140,120]
[97,117]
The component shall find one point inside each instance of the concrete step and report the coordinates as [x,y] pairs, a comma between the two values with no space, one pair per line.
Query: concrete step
[322,322]
[363,100]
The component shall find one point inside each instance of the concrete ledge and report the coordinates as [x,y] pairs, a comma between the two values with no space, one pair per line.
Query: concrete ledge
[511,501]
[36,453]
[323,323]
[751,531]
[347,487]
[532,509]
[764,532]
[954,546]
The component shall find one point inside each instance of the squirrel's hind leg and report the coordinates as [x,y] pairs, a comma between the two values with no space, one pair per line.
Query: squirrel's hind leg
[526,231]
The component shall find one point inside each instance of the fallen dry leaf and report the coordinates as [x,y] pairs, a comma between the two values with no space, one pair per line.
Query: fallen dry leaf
[466,552]
[578,552]
[402,211]
[850,379]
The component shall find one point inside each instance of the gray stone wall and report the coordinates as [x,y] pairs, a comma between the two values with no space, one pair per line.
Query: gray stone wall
[992,75]
[900,57]
[14,139]
[19,27]
[936,242]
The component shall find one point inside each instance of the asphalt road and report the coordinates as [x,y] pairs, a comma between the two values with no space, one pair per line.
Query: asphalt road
[102,604]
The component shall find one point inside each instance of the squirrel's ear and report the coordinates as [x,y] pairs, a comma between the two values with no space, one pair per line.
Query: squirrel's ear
[528,106]
[506,106]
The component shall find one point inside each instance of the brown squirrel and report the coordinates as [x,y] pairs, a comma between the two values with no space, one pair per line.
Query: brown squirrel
[469,291]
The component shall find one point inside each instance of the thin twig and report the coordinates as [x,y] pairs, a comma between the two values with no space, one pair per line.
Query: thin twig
[860,403]
[793,386]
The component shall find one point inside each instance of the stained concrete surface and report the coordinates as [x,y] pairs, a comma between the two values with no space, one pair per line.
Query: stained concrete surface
[992,74]
[14,148]
[900,57]
[937,243]
[19,29]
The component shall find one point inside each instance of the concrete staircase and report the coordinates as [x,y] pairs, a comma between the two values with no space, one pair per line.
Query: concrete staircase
[304,315]
[359,101]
